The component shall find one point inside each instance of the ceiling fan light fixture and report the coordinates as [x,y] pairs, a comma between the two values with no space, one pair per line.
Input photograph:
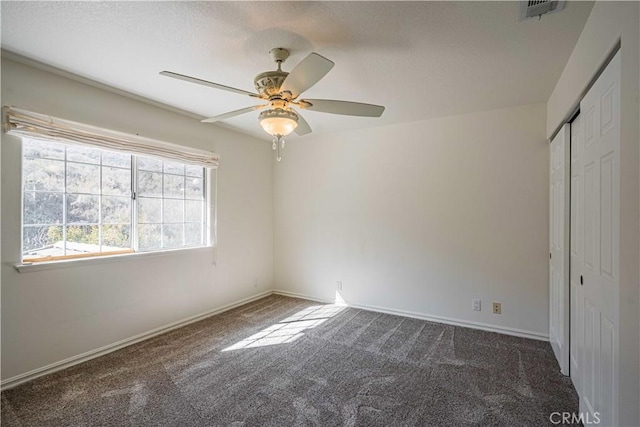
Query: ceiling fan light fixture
[278,121]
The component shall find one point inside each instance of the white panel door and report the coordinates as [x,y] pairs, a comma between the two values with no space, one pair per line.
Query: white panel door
[576,348]
[598,264]
[559,248]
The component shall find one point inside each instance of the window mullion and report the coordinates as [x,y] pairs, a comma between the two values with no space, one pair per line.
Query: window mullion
[206,198]
[100,192]
[184,209]
[134,203]
[64,206]
[162,208]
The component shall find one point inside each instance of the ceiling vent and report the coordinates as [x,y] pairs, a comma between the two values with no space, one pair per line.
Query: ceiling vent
[532,8]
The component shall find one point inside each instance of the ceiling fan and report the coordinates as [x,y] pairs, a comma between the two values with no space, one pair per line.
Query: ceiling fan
[281,91]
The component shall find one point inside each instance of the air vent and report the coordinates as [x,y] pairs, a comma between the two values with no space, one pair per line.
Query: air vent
[537,8]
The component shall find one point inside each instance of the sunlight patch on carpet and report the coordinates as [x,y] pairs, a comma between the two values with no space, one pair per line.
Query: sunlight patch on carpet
[291,328]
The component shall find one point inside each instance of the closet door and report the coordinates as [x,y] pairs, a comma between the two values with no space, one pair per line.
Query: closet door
[599,178]
[576,348]
[559,248]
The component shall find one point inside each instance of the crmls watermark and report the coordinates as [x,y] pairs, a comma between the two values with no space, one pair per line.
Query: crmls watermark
[586,418]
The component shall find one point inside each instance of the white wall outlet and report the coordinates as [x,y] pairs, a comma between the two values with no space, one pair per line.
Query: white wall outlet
[477,305]
[497,308]
[339,285]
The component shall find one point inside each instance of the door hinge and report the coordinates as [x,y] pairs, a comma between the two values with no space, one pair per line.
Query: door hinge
[581,280]
[549,255]
[133,195]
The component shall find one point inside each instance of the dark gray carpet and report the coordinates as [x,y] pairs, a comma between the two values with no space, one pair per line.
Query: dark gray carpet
[282,361]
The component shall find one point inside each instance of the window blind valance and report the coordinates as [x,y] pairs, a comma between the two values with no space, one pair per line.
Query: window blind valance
[39,126]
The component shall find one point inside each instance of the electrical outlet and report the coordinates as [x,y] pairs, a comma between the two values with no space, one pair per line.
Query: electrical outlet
[497,308]
[339,285]
[476,305]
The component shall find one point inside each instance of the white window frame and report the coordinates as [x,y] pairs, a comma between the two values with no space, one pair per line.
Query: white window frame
[208,223]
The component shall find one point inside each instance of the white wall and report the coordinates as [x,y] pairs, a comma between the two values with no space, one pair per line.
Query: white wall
[55,314]
[421,217]
[609,23]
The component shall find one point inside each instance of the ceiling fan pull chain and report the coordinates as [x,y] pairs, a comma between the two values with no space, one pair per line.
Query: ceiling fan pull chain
[279,146]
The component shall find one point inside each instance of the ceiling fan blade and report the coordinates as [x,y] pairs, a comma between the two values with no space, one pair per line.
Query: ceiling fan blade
[206,83]
[347,108]
[307,73]
[232,114]
[303,127]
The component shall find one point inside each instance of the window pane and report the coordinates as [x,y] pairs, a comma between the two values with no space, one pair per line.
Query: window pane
[116,181]
[149,236]
[82,239]
[195,188]
[149,164]
[116,237]
[109,158]
[173,210]
[83,178]
[172,235]
[150,184]
[43,149]
[41,237]
[193,234]
[42,208]
[174,168]
[149,210]
[82,208]
[43,174]
[83,154]
[174,186]
[195,171]
[194,211]
[116,209]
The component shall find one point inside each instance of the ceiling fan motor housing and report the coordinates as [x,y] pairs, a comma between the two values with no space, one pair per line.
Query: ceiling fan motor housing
[268,83]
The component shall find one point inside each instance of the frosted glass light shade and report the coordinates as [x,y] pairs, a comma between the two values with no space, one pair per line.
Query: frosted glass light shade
[278,121]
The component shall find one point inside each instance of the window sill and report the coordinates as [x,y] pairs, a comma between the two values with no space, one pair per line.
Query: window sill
[81,262]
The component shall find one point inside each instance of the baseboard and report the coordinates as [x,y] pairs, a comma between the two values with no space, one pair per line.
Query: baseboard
[431,318]
[74,360]
[303,296]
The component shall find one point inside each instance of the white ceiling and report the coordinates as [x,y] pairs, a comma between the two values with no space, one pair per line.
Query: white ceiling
[419,59]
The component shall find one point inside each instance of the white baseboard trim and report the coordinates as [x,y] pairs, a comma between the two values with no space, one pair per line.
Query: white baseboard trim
[74,360]
[303,296]
[431,318]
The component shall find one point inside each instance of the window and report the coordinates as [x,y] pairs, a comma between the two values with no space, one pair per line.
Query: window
[80,201]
